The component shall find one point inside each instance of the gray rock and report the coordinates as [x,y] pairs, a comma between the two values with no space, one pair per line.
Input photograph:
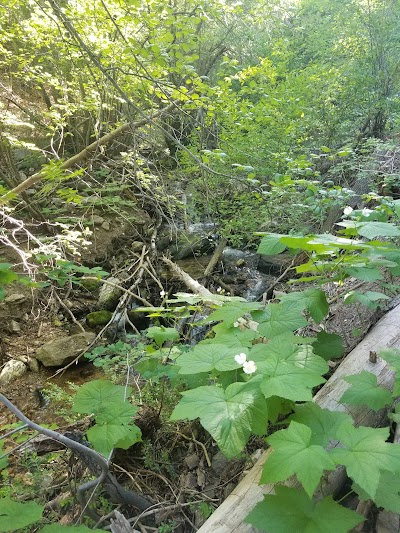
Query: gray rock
[64,349]
[97,220]
[15,298]
[15,327]
[109,295]
[12,370]
[106,225]
[219,463]
[192,461]
[33,364]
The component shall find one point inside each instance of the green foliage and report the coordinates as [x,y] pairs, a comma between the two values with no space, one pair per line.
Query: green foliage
[113,415]
[295,453]
[364,390]
[230,416]
[7,276]
[162,334]
[293,510]
[114,356]
[328,345]
[15,515]
[365,454]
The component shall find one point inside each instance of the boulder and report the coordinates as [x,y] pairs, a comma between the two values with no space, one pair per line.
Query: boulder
[61,351]
[13,369]
[98,318]
[191,244]
[274,264]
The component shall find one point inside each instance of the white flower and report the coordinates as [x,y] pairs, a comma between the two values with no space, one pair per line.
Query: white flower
[236,324]
[249,367]
[348,210]
[366,212]
[162,293]
[241,358]
[219,289]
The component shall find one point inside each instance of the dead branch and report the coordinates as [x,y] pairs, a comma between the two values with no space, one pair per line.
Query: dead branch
[191,283]
[215,257]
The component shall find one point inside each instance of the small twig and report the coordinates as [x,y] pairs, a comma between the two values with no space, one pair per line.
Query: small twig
[281,277]
[69,443]
[71,314]
[200,444]
[127,291]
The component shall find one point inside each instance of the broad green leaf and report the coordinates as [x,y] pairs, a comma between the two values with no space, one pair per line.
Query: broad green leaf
[370,230]
[278,407]
[295,454]
[232,311]
[364,273]
[365,390]
[207,357]
[231,336]
[304,357]
[92,397]
[387,494]
[230,415]
[365,453]
[322,422]
[280,318]
[292,510]
[328,345]
[109,434]
[271,245]
[6,274]
[368,298]
[287,380]
[16,515]
[314,300]
[161,334]
[296,242]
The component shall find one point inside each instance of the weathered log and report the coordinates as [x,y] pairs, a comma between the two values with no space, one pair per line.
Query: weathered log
[190,283]
[228,518]
[215,257]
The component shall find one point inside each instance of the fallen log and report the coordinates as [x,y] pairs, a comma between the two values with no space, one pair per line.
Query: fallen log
[190,283]
[215,258]
[228,518]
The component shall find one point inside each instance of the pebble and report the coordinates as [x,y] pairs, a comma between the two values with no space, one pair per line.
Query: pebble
[15,327]
[12,370]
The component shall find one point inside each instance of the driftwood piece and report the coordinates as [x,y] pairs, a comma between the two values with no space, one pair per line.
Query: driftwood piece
[190,283]
[215,257]
[120,524]
[228,518]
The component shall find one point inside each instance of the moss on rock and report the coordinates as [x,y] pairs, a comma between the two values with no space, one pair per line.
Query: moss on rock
[98,318]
